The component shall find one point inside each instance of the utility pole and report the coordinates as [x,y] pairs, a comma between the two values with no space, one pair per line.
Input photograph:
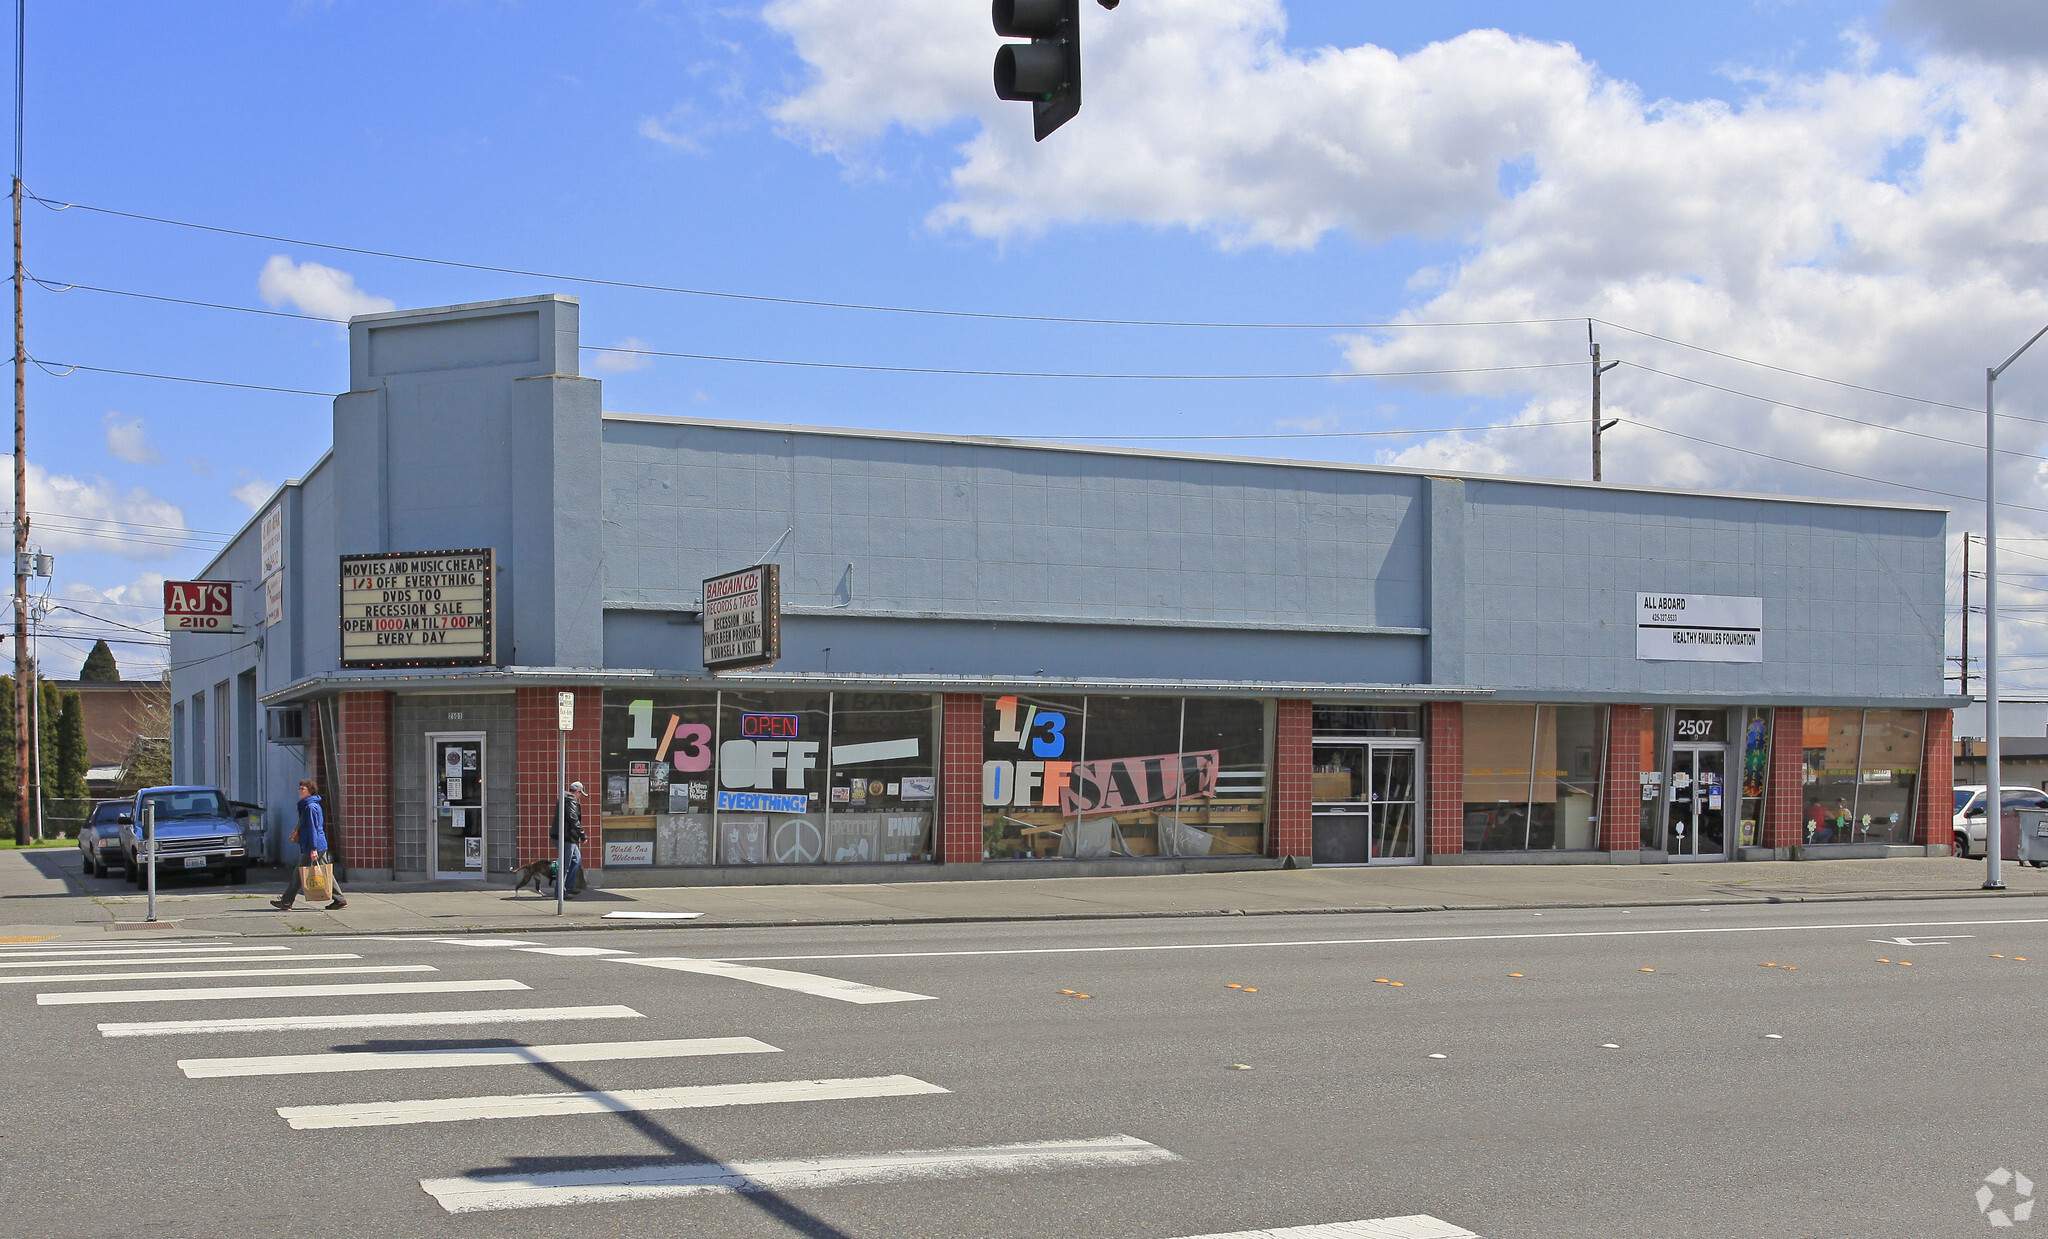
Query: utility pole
[22,660]
[1599,428]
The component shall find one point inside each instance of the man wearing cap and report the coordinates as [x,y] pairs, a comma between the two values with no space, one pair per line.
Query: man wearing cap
[572,830]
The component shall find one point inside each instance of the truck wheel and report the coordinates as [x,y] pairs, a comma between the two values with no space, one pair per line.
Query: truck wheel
[1962,847]
[238,877]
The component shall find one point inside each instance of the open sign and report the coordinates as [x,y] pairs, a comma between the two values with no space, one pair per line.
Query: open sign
[199,606]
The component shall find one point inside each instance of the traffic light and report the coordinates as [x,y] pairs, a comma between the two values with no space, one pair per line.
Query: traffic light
[1047,70]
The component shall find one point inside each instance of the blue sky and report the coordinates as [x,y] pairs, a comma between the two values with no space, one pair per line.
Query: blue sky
[1750,175]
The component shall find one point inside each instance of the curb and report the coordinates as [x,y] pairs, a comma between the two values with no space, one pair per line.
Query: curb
[1194,914]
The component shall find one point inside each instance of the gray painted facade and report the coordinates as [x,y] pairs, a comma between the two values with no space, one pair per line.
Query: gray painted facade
[937,562]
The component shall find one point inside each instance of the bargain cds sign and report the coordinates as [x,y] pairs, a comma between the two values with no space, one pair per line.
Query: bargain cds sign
[199,606]
[743,619]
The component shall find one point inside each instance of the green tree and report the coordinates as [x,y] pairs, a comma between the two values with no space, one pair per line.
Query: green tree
[71,759]
[99,664]
[10,777]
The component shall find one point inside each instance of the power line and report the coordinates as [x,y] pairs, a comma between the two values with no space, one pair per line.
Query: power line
[1750,361]
[69,366]
[1330,434]
[769,300]
[1840,417]
[1861,477]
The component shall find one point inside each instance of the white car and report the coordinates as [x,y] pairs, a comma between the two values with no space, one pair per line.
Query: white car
[1969,823]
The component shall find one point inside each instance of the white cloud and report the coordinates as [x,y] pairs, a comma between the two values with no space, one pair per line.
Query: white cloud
[316,289]
[1994,29]
[1879,226]
[678,129]
[91,514]
[200,465]
[623,363]
[254,493]
[128,440]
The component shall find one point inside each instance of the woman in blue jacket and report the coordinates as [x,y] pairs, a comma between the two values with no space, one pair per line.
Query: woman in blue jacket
[311,836]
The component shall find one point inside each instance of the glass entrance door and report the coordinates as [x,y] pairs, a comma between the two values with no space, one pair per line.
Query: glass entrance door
[456,766]
[1365,806]
[1695,823]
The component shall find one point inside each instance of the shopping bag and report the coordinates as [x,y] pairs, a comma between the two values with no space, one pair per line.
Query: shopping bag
[317,881]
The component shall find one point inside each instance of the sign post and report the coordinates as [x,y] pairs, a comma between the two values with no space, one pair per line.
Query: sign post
[742,619]
[149,852]
[565,722]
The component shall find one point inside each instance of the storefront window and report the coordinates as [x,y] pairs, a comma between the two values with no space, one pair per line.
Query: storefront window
[883,792]
[1532,777]
[1756,774]
[1889,775]
[748,778]
[1650,777]
[1099,777]
[1862,772]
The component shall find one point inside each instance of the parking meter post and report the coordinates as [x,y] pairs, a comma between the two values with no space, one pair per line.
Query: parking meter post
[149,852]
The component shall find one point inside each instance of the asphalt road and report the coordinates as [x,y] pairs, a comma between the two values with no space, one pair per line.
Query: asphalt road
[1626,1083]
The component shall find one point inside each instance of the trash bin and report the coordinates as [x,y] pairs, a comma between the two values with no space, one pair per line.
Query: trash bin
[2030,843]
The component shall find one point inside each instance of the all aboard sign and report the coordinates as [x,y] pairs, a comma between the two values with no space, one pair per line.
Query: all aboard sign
[199,606]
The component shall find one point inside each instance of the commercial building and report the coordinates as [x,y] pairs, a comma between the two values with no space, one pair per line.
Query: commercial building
[1005,658]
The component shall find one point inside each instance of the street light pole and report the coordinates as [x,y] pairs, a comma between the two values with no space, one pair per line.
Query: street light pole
[1994,787]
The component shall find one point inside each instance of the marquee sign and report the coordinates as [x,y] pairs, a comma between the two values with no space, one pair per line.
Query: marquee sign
[743,619]
[418,609]
[199,606]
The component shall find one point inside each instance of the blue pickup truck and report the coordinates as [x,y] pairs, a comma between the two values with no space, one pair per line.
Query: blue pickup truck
[197,831]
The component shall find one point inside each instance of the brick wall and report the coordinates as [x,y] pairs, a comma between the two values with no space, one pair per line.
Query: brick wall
[1621,807]
[1446,761]
[539,779]
[1936,824]
[1785,800]
[959,829]
[1291,833]
[365,721]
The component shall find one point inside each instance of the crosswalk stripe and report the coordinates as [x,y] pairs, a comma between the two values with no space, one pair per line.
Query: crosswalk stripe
[484,1056]
[1414,1226]
[391,1019]
[274,991]
[216,972]
[153,962]
[534,1105]
[570,950]
[142,950]
[801,982]
[479,940]
[484,1192]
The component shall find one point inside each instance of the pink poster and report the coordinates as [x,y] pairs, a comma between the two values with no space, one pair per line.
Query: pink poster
[1119,784]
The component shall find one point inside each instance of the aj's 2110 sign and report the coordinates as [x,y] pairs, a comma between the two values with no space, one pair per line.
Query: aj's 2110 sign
[418,609]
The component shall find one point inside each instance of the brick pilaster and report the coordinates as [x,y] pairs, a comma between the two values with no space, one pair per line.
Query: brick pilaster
[365,752]
[538,779]
[1290,832]
[1934,822]
[1621,801]
[1785,800]
[959,827]
[1446,761]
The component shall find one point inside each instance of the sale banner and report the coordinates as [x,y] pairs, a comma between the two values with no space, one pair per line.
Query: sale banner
[1120,784]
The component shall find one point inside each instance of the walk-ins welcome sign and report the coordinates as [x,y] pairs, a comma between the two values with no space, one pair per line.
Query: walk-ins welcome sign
[1699,628]
[743,619]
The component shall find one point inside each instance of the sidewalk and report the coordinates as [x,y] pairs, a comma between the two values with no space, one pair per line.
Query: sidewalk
[41,895]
